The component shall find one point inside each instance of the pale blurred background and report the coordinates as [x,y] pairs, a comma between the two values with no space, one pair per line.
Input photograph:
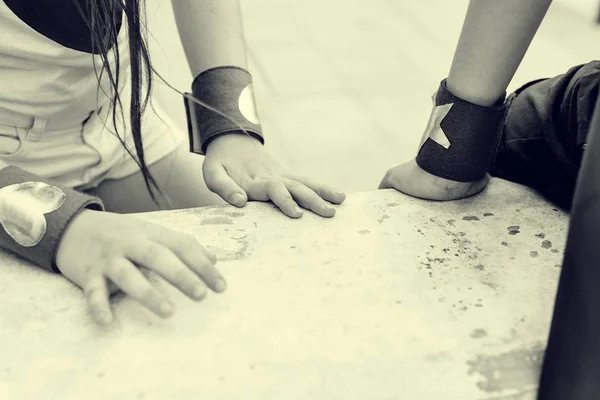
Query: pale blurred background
[344,86]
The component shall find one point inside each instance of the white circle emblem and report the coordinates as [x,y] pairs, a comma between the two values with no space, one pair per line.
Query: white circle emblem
[247,105]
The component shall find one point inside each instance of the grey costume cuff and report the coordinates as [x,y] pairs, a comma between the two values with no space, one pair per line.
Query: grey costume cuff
[461,138]
[34,214]
[229,93]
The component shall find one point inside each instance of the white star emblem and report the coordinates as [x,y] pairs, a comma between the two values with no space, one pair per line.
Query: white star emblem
[434,130]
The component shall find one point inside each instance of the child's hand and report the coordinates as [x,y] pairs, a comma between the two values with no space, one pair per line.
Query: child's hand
[410,179]
[99,245]
[238,169]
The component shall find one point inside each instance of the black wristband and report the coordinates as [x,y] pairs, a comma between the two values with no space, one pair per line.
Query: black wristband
[229,93]
[461,138]
[35,213]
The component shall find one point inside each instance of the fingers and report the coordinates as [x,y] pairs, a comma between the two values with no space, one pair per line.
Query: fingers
[288,195]
[96,293]
[161,260]
[281,197]
[195,258]
[219,182]
[325,192]
[310,200]
[133,283]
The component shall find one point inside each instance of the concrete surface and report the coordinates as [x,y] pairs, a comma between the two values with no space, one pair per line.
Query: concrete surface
[394,298]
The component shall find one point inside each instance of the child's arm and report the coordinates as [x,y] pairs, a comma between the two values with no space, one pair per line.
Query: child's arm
[211,32]
[461,139]
[63,230]
[236,166]
[494,39]
[212,36]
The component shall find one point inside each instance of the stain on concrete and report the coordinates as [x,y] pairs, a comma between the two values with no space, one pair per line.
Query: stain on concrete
[533,253]
[557,265]
[491,284]
[235,214]
[504,244]
[222,210]
[218,220]
[517,370]
[480,267]
[471,218]
[540,235]
[546,244]
[364,231]
[478,333]
[463,244]
[554,250]
[438,260]
[383,218]
[451,222]
[240,251]
[393,204]
[488,214]
[513,230]
[524,395]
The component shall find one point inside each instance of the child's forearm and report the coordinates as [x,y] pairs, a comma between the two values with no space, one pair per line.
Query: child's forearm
[211,32]
[494,38]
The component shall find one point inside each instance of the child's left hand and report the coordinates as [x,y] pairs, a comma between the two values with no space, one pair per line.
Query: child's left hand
[238,168]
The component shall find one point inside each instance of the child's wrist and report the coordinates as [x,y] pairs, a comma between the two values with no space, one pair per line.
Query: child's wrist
[485,98]
[34,214]
[461,138]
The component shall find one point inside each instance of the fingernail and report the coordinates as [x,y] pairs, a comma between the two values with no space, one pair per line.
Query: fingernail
[166,308]
[220,285]
[297,210]
[199,292]
[329,209]
[237,199]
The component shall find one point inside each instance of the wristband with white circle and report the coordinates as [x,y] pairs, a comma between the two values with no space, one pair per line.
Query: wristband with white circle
[229,93]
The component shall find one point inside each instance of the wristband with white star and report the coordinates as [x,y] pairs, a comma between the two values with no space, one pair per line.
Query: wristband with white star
[461,138]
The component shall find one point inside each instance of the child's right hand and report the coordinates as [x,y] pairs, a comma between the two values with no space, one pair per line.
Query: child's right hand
[100,245]
[412,180]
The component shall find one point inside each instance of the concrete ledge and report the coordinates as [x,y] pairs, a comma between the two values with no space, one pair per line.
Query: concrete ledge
[393,298]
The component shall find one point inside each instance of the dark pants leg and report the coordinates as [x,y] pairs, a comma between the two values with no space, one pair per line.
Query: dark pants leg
[572,362]
[546,131]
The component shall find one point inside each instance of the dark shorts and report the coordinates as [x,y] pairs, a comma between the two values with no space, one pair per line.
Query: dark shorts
[546,133]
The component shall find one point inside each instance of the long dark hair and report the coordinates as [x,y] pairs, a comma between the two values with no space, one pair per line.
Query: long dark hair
[104,18]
